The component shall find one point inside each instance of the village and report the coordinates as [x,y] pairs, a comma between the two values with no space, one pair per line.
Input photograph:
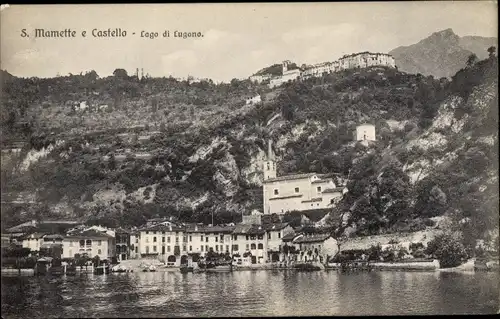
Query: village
[351,61]
[261,241]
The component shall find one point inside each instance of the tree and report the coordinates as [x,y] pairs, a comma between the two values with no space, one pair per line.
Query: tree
[491,51]
[120,73]
[447,249]
[471,60]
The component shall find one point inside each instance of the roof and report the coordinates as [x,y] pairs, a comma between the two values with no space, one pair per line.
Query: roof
[22,226]
[289,237]
[333,190]
[285,197]
[274,226]
[162,228]
[89,233]
[291,177]
[53,236]
[249,229]
[36,235]
[321,181]
[313,214]
[312,238]
[120,230]
[219,229]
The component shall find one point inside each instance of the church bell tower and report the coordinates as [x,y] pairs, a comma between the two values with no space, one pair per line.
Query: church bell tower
[269,163]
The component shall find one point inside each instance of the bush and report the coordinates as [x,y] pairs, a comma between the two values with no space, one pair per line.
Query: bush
[449,251]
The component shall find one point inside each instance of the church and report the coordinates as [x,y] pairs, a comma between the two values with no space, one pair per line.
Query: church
[296,192]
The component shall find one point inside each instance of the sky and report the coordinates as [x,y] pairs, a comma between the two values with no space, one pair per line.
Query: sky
[238,39]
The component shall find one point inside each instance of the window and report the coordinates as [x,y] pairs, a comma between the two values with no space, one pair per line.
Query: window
[260,237]
[221,237]
[154,249]
[99,242]
[99,252]
[247,246]
[163,239]
[312,204]
[268,167]
[235,248]
[136,250]
[201,237]
[279,235]
[206,247]
[184,238]
[137,240]
[261,246]
[147,249]
[216,247]
[190,238]
[147,239]
[190,248]
[176,233]
[168,239]
[227,247]
[168,248]
[318,189]
[221,247]
[247,237]
[147,232]
[296,189]
[154,233]
[201,247]
[154,239]
[70,243]
[89,242]
[163,233]
[176,240]
[235,237]
[183,248]
[252,246]
[268,235]
[252,237]
[206,239]
[276,192]
[216,239]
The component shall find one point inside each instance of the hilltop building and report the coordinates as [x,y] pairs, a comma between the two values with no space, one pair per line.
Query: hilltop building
[365,132]
[298,191]
[351,61]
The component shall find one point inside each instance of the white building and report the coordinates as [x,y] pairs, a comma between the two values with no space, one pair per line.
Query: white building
[319,247]
[33,241]
[365,132]
[296,192]
[90,242]
[250,241]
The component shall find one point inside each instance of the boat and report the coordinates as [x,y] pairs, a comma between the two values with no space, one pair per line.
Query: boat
[71,270]
[101,270]
[152,268]
[119,269]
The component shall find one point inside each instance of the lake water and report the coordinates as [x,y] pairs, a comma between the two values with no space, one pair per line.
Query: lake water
[250,293]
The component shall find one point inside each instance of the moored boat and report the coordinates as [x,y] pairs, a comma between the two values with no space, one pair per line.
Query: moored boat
[186,269]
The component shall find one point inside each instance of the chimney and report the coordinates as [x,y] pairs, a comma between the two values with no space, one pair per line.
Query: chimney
[196,228]
[170,227]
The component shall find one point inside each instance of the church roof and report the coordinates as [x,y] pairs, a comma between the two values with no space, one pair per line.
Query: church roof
[291,177]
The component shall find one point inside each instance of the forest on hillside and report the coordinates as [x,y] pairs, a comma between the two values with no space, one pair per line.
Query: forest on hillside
[87,176]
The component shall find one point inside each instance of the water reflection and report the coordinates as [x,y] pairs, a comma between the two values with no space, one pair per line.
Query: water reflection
[250,293]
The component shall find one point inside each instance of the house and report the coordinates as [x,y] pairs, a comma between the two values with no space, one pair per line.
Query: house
[134,244]
[167,243]
[297,191]
[218,238]
[122,241]
[89,242]
[52,246]
[320,247]
[33,241]
[250,241]
[365,132]
[274,233]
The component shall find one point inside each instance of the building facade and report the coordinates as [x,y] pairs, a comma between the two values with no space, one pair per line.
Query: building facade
[90,242]
[365,132]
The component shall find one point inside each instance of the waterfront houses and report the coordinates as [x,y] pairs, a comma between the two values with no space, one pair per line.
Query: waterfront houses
[275,233]
[318,247]
[33,241]
[89,242]
[250,241]
[122,238]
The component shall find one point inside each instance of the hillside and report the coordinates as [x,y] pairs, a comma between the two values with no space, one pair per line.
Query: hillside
[164,147]
[441,54]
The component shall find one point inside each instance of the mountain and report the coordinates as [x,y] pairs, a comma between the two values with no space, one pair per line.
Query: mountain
[119,150]
[441,54]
